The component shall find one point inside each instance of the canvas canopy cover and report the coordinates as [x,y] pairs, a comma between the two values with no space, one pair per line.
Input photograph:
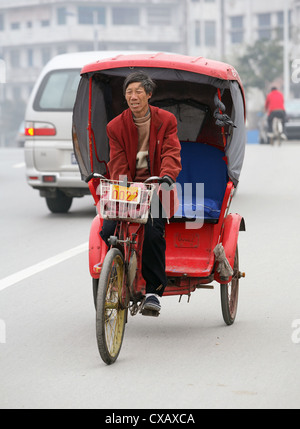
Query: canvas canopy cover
[206,97]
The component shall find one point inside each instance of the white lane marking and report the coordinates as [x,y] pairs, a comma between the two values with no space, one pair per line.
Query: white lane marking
[20,165]
[41,266]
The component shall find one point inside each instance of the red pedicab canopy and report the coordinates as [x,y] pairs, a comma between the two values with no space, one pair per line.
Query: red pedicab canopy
[206,97]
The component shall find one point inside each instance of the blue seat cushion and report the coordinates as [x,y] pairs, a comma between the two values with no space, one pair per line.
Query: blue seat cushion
[201,164]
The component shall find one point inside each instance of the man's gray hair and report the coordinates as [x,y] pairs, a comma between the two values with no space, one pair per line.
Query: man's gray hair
[139,76]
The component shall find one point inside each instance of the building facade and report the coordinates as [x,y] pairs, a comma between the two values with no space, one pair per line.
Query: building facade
[223,28]
[33,31]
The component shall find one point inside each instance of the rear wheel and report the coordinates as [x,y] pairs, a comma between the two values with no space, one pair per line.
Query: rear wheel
[60,203]
[95,290]
[230,294]
[110,308]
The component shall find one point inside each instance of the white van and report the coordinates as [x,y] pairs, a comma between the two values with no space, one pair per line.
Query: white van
[51,166]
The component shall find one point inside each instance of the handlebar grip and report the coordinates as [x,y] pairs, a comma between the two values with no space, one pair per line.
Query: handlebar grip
[154,179]
[94,176]
[165,179]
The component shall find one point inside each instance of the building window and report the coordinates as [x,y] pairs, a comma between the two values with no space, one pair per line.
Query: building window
[16,91]
[45,23]
[210,33]
[280,19]
[91,15]
[197,33]
[1,22]
[61,16]
[264,19]
[15,58]
[280,25]
[125,16]
[264,26]
[159,15]
[237,31]
[46,55]
[61,50]
[30,57]
[15,25]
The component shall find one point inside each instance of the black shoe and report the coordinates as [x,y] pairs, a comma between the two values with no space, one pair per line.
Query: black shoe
[151,303]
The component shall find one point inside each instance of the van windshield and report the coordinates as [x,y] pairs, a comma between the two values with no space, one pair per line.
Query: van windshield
[57,91]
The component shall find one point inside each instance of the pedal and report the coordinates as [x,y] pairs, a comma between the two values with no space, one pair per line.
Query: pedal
[153,313]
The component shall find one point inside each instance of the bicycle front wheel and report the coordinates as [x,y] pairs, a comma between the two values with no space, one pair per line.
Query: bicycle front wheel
[110,308]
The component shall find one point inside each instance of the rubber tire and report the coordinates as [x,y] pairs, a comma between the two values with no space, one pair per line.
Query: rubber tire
[95,284]
[59,204]
[110,352]
[229,303]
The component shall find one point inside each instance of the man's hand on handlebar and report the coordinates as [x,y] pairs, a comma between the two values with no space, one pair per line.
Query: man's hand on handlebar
[168,180]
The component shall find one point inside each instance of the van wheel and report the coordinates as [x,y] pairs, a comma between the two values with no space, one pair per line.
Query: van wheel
[59,204]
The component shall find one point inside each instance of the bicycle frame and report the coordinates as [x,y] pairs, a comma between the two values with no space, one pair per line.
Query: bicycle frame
[130,237]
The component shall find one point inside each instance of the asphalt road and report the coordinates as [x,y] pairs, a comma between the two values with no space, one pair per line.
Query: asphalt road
[185,359]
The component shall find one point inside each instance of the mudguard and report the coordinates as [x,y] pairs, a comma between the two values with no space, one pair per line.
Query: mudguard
[97,248]
[233,224]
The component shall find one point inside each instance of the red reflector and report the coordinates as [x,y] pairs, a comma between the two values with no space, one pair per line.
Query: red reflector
[49,179]
[40,132]
[29,132]
[33,177]
[44,132]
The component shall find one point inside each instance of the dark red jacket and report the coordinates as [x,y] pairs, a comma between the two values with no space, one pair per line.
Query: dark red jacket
[274,101]
[164,146]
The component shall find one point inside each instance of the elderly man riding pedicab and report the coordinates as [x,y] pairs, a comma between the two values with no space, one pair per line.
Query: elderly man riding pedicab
[143,142]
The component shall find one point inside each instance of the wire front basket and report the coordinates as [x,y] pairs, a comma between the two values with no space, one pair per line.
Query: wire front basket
[130,202]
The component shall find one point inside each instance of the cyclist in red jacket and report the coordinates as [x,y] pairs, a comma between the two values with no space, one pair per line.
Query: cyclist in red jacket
[274,106]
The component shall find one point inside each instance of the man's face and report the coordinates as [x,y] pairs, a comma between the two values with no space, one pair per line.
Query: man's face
[137,99]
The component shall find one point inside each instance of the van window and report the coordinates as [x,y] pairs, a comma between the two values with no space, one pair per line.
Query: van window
[57,91]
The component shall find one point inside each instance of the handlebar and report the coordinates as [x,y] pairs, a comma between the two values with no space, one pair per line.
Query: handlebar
[156,179]
[94,176]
